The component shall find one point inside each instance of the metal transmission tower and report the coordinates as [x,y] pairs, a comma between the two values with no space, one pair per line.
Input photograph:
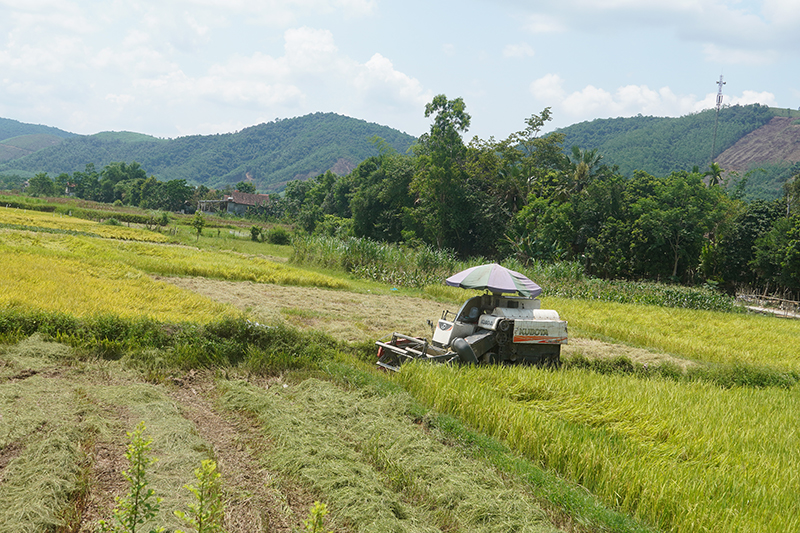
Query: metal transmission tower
[716,119]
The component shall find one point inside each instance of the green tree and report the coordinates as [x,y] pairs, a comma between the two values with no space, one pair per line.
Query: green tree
[670,226]
[714,174]
[207,512]
[175,195]
[61,183]
[442,208]
[381,197]
[738,245]
[584,165]
[246,186]
[791,195]
[198,222]
[40,185]
[140,504]
[87,183]
[150,193]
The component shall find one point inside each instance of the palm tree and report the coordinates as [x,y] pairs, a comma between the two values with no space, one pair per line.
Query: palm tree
[583,169]
[714,174]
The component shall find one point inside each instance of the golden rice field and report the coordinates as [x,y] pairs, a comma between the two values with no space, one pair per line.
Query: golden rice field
[72,286]
[706,336]
[85,275]
[38,219]
[683,456]
[686,457]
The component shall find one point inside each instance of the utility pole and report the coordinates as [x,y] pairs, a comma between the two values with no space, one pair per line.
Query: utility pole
[716,119]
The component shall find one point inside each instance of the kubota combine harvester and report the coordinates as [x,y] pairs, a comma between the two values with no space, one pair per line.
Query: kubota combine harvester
[488,329]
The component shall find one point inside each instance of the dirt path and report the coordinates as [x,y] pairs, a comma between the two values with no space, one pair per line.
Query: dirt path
[347,316]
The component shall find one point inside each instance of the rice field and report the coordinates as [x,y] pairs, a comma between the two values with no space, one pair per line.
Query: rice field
[37,220]
[680,456]
[78,288]
[704,336]
[683,457]
[75,266]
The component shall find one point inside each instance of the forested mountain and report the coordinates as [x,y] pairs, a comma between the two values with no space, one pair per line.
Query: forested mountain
[13,128]
[659,145]
[268,155]
[18,139]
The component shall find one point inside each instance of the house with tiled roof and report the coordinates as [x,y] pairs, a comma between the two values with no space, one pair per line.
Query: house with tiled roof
[240,202]
[236,203]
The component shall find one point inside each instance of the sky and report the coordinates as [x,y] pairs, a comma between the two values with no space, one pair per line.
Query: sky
[171,68]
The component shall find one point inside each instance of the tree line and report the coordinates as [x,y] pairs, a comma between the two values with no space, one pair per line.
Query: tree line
[528,197]
[120,183]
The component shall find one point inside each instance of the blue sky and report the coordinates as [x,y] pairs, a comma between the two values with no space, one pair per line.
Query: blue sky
[181,67]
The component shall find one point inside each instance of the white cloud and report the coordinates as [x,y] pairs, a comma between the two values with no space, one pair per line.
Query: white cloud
[540,23]
[592,102]
[746,25]
[309,49]
[378,79]
[753,97]
[547,88]
[520,50]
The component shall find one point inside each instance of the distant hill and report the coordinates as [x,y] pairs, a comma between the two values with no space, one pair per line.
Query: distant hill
[17,147]
[13,128]
[769,156]
[660,145]
[756,141]
[268,154]
[18,139]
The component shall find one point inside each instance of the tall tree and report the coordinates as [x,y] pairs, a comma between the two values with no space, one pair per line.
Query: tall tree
[439,181]
[40,185]
[671,224]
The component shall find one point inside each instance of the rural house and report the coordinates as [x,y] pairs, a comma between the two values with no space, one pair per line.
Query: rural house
[235,203]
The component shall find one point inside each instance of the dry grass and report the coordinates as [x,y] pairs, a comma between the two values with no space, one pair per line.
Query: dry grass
[347,316]
[378,470]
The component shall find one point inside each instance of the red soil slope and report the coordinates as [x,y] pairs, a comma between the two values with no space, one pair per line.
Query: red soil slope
[778,141]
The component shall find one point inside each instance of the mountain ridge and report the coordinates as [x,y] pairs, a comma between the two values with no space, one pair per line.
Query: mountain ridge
[269,154]
[273,153]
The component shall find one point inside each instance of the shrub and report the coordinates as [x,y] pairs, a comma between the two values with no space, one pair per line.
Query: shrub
[140,504]
[278,235]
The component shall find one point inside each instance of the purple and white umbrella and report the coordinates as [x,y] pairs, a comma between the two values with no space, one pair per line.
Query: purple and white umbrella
[494,278]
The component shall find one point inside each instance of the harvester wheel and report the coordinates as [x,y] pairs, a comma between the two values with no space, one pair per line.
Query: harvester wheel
[489,358]
[503,338]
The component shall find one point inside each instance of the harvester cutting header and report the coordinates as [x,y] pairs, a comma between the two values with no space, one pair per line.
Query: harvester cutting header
[490,328]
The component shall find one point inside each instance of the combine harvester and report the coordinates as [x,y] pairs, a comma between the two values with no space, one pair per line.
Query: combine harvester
[491,328]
